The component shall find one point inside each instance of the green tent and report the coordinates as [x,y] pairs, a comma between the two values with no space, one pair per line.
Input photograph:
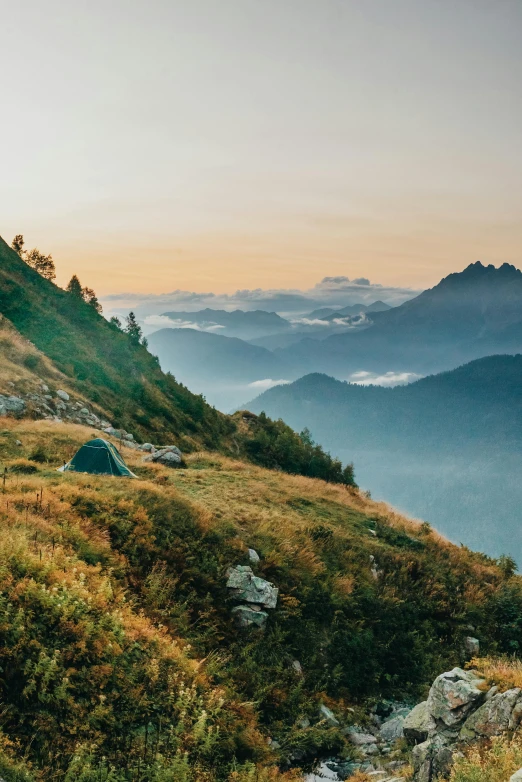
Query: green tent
[98,457]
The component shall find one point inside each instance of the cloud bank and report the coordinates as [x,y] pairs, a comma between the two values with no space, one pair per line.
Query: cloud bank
[337,291]
[388,379]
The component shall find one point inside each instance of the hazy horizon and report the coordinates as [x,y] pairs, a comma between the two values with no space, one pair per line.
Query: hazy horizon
[204,146]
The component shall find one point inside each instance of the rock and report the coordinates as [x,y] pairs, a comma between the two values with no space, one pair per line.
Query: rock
[304,723]
[128,436]
[168,455]
[392,730]
[496,715]
[517,776]
[327,714]
[18,442]
[63,395]
[418,724]
[471,646]
[148,447]
[11,404]
[453,694]
[84,411]
[296,665]
[110,430]
[253,556]
[361,739]
[60,405]
[245,616]
[252,589]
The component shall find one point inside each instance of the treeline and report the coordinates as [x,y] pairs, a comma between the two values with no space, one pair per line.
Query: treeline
[275,445]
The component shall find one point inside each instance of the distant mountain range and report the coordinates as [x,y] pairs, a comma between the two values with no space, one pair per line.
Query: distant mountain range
[221,368]
[447,448]
[326,313]
[474,313]
[246,325]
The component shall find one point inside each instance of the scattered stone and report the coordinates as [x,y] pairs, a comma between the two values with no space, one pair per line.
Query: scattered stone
[471,646]
[63,395]
[128,436]
[244,585]
[245,616]
[168,455]
[253,556]
[18,442]
[361,739]
[148,447]
[45,388]
[327,714]
[84,411]
[392,730]
[296,665]
[11,404]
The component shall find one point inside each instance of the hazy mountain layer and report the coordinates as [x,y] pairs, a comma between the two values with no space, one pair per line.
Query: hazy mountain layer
[447,448]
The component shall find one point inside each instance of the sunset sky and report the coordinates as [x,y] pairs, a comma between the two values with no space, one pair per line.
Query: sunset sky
[211,145]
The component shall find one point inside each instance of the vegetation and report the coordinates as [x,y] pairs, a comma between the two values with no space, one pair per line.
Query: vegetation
[273,444]
[494,762]
[118,656]
[43,264]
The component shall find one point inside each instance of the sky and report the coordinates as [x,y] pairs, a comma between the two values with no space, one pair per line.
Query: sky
[216,145]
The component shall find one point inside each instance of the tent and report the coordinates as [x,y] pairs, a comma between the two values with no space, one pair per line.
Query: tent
[98,457]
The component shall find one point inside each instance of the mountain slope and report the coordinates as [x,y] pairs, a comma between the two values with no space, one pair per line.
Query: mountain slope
[469,314]
[102,362]
[447,448]
[220,367]
[118,652]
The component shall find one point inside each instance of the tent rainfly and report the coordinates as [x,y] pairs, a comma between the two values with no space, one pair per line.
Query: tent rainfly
[98,457]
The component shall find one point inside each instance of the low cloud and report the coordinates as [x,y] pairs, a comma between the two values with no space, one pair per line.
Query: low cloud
[164,322]
[264,385]
[335,292]
[388,379]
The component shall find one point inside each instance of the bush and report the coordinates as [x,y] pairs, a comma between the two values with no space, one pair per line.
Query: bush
[23,466]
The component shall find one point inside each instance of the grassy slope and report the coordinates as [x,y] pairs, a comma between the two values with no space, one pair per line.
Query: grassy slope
[112,590]
[100,361]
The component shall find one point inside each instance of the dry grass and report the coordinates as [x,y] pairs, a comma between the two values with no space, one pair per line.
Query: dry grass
[504,672]
[489,763]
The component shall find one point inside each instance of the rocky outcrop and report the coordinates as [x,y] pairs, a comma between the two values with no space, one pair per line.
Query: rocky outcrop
[460,709]
[11,404]
[245,587]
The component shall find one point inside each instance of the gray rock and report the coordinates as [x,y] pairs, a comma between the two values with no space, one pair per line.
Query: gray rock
[168,455]
[252,589]
[148,447]
[12,404]
[517,776]
[361,739]
[253,556]
[63,395]
[453,695]
[128,436]
[418,724]
[112,431]
[45,388]
[245,616]
[392,730]
[296,665]
[84,411]
[471,646]
[327,714]
[18,442]
[494,717]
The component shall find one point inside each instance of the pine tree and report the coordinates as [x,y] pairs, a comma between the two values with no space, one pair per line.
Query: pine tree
[91,299]
[132,328]
[18,245]
[43,264]
[75,287]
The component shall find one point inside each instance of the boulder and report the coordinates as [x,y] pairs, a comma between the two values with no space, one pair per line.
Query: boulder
[496,715]
[471,646]
[431,760]
[253,556]
[11,404]
[244,585]
[245,616]
[84,411]
[453,695]
[418,724]
[128,436]
[169,455]
[327,714]
[148,447]
[361,739]
[63,395]
[392,730]
[517,776]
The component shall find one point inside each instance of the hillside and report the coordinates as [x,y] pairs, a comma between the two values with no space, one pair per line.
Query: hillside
[101,362]
[119,656]
[446,448]
[221,368]
[468,315]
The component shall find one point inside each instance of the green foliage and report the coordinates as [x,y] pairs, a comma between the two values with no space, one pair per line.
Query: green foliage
[275,445]
[43,264]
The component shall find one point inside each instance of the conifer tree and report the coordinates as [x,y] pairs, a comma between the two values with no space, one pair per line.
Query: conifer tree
[74,287]
[133,328]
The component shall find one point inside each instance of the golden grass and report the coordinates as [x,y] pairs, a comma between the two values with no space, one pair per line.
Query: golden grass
[504,672]
[489,763]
